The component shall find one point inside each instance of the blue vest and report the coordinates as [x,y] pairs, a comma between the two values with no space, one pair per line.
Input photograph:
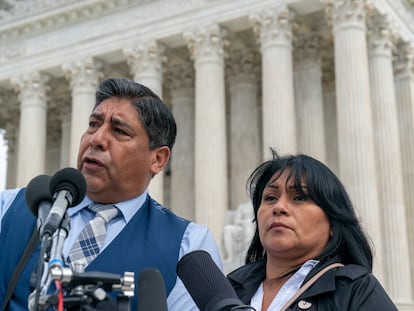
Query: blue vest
[151,239]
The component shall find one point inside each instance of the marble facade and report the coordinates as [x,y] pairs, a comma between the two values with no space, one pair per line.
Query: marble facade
[334,79]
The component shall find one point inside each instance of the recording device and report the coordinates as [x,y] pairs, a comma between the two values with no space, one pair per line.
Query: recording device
[38,199]
[48,198]
[207,285]
[151,291]
[67,188]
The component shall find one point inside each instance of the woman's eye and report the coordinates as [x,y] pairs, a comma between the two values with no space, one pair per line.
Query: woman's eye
[269,197]
[301,197]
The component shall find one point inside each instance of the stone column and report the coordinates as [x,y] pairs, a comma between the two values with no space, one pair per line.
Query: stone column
[181,84]
[355,132]
[83,76]
[329,110]
[404,90]
[245,148]
[65,117]
[206,46]
[11,137]
[145,60]
[381,38]
[273,30]
[308,96]
[33,111]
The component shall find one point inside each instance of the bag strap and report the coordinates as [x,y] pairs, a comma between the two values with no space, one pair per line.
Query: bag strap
[30,247]
[309,283]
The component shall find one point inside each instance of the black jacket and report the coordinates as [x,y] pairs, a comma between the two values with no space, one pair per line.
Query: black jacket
[351,288]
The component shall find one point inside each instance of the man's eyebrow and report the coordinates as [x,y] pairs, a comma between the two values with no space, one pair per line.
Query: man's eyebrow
[119,122]
[97,116]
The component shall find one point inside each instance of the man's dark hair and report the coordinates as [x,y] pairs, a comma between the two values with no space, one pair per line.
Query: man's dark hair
[155,116]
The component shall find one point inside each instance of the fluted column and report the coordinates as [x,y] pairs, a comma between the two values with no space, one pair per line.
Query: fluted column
[145,60]
[404,90]
[11,137]
[65,116]
[273,30]
[355,132]
[83,76]
[245,148]
[381,38]
[329,110]
[206,46]
[308,96]
[181,84]
[32,126]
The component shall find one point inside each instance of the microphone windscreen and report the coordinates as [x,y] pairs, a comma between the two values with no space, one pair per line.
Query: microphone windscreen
[152,295]
[71,180]
[37,190]
[206,284]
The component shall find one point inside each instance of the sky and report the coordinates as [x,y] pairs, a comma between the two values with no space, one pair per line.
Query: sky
[3,162]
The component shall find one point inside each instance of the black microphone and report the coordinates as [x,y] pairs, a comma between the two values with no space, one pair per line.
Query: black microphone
[207,285]
[38,199]
[151,291]
[67,188]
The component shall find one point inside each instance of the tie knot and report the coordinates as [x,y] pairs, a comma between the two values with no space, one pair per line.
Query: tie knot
[105,211]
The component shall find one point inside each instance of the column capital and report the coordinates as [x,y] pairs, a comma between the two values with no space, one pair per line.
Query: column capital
[83,73]
[243,60]
[382,35]
[404,59]
[273,26]
[144,55]
[347,13]
[180,76]
[307,47]
[29,85]
[207,41]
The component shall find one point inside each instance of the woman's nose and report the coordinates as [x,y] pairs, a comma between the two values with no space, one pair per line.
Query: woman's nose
[280,206]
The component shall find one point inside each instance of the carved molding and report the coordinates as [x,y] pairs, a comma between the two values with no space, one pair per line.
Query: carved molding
[31,85]
[404,59]
[347,12]
[180,76]
[83,73]
[145,55]
[207,41]
[273,25]
[382,35]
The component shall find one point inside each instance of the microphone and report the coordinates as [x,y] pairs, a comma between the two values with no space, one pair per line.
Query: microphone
[68,188]
[207,285]
[38,199]
[151,291]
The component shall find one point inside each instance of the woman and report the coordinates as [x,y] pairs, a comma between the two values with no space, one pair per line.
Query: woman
[305,221]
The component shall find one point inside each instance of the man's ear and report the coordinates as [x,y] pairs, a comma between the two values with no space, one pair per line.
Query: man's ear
[160,157]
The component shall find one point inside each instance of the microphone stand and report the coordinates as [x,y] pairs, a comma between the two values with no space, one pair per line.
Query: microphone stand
[51,252]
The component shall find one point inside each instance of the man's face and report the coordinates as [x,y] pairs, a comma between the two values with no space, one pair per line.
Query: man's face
[114,154]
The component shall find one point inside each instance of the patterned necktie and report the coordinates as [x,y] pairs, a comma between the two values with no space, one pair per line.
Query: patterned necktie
[92,237]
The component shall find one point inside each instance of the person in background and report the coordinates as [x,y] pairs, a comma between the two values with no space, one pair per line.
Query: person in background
[305,222]
[128,141]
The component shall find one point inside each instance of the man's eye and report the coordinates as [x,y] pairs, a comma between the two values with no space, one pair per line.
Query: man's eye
[119,131]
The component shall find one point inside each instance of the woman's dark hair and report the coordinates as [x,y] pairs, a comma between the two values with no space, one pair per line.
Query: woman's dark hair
[155,117]
[323,187]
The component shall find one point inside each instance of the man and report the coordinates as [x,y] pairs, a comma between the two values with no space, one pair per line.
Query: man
[129,139]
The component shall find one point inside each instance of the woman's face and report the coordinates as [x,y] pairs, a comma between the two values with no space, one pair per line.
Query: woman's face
[291,226]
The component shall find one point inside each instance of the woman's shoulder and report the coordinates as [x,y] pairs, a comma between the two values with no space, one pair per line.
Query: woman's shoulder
[248,271]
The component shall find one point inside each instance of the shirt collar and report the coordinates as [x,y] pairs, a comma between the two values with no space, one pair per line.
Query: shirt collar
[128,208]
